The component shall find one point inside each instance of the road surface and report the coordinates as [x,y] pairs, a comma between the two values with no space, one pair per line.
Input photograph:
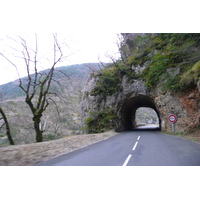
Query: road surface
[134,148]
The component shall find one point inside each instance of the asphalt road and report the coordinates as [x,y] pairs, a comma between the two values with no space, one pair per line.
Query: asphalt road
[134,148]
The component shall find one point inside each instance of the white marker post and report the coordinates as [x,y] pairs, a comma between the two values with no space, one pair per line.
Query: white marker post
[172,119]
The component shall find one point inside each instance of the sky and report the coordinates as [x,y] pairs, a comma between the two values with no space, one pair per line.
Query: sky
[79,47]
[89,27]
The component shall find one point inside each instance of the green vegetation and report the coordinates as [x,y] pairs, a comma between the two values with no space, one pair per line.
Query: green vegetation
[171,60]
[188,136]
[107,82]
[99,121]
[192,76]
[173,57]
[49,137]
[181,134]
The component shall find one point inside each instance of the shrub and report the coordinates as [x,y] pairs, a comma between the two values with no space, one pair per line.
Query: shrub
[192,76]
[100,121]
[171,51]
[157,67]
[107,82]
[49,137]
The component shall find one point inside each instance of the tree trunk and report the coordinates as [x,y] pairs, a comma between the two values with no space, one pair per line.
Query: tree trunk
[7,127]
[39,137]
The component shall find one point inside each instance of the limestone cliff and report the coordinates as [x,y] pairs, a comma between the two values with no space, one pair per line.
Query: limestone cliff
[153,72]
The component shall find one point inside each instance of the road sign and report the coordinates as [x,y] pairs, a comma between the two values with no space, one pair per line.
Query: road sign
[172,118]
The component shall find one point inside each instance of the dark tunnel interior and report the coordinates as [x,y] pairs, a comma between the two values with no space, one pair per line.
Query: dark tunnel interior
[130,107]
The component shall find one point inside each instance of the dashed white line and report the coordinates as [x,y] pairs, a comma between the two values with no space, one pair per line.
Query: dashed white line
[127,160]
[129,156]
[135,146]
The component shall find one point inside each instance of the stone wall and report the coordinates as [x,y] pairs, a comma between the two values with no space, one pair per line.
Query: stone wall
[30,154]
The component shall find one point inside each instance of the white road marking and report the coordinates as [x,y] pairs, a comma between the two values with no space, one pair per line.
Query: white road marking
[129,156]
[135,146]
[127,159]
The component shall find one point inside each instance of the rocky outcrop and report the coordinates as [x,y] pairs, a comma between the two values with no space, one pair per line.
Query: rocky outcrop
[133,94]
[186,106]
[186,109]
[128,43]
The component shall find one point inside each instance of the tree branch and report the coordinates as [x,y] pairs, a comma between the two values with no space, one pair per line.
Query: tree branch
[56,107]
[7,127]
[38,85]
[2,125]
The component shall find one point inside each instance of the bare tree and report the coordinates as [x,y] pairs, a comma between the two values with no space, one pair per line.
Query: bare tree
[93,68]
[4,118]
[37,85]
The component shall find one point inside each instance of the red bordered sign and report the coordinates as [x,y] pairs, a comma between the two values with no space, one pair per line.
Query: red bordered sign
[172,118]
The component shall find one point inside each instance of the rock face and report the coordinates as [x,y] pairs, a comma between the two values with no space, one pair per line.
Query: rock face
[186,109]
[128,41]
[133,94]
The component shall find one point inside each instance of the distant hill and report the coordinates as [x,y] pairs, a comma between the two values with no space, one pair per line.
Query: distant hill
[146,116]
[72,76]
[58,120]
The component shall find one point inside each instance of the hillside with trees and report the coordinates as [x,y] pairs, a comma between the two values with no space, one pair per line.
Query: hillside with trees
[60,119]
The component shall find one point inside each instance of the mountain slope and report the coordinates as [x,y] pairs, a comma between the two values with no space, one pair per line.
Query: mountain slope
[60,119]
[72,76]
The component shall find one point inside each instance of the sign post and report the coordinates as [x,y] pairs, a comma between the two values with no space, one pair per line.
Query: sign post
[172,119]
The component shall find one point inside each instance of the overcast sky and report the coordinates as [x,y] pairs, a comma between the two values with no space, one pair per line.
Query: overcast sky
[82,47]
[82,17]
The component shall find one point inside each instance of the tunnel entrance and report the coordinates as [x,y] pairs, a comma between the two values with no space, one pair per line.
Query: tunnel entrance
[129,108]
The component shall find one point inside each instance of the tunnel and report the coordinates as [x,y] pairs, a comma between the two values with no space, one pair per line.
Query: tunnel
[129,108]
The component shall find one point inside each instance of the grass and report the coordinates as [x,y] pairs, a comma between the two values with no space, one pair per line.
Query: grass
[188,136]
[181,134]
[192,75]
[176,133]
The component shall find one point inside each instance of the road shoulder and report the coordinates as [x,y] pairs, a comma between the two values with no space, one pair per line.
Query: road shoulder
[30,154]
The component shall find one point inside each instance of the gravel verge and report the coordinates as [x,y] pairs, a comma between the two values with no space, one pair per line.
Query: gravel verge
[30,154]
